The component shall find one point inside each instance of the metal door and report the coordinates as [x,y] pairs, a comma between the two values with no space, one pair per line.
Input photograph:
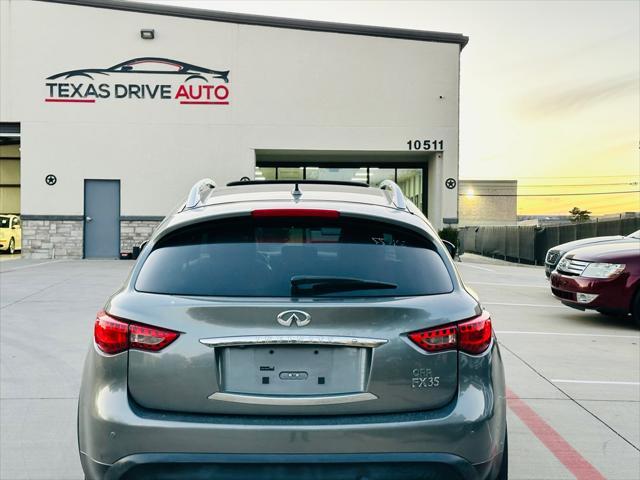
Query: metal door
[102,218]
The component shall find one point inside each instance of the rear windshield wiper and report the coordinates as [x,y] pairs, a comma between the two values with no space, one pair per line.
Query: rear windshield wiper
[311,284]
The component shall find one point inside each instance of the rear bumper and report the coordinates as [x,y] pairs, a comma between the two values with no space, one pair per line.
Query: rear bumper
[462,439]
[404,466]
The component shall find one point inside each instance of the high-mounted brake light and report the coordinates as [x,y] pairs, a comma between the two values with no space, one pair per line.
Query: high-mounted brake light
[470,336]
[114,336]
[294,212]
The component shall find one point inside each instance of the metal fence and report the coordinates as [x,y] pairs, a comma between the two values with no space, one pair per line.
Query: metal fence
[530,244]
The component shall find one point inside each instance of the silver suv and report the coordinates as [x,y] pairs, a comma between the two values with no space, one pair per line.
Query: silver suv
[293,330]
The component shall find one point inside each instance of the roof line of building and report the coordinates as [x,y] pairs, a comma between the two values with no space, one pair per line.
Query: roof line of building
[268,21]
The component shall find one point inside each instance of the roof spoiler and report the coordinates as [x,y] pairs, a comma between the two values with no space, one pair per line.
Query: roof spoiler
[202,188]
[397,197]
[198,192]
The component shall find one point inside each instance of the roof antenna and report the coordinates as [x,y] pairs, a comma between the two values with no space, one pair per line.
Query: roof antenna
[296,192]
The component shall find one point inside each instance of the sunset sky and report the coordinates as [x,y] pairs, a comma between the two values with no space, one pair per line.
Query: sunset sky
[550,91]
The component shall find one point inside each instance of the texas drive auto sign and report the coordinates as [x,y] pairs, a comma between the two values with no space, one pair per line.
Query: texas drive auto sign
[200,85]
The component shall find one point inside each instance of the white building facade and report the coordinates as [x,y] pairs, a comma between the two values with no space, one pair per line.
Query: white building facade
[118,108]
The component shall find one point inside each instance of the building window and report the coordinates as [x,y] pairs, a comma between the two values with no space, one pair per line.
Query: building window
[411,180]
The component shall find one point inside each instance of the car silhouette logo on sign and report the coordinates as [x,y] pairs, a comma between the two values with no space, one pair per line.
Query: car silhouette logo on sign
[287,318]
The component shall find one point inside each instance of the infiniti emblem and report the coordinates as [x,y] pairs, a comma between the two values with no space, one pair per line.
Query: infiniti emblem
[288,317]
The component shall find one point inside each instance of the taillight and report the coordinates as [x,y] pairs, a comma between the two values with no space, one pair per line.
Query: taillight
[471,336]
[111,335]
[436,339]
[474,336]
[295,212]
[150,338]
[114,336]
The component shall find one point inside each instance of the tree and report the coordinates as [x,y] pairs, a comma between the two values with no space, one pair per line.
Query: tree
[578,215]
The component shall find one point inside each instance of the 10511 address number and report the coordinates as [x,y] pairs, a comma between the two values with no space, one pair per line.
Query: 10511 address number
[425,145]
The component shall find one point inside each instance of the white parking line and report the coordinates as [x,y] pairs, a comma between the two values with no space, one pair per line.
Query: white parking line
[508,284]
[475,266]
[519,332]
[32,265]
[595,382]
[523,305]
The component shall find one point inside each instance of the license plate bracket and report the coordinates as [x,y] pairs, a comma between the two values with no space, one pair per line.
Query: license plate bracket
[294,369]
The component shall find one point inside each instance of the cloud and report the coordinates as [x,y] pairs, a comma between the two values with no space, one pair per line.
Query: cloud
[568,99]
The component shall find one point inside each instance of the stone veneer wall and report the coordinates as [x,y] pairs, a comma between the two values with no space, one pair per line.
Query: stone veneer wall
[63,238]
[52,238]
[134,232]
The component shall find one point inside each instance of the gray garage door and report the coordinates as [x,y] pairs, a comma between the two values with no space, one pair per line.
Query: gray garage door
[102,218]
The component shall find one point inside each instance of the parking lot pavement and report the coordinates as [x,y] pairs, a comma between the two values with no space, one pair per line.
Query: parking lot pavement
[579,372]
[4,256]
[46,320]
[573,377]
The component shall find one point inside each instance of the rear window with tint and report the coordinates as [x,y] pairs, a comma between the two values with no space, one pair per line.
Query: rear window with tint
[258,258]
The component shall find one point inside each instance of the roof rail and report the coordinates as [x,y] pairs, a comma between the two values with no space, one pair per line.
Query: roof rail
[198,192]
[397,195]
[291,182]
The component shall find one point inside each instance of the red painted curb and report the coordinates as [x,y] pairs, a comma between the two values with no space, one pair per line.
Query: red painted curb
[568,456]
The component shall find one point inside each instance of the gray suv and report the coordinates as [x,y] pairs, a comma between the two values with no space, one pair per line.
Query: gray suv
[293,330]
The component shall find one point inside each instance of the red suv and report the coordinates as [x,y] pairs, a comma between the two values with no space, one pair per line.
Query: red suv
[603,277]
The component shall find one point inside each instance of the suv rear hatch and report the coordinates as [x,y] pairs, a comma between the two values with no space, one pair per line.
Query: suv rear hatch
[294,315]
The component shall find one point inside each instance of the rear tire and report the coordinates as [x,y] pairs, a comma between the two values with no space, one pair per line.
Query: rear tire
[503,473]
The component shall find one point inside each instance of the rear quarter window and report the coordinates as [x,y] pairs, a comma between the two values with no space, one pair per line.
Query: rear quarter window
[259,257]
